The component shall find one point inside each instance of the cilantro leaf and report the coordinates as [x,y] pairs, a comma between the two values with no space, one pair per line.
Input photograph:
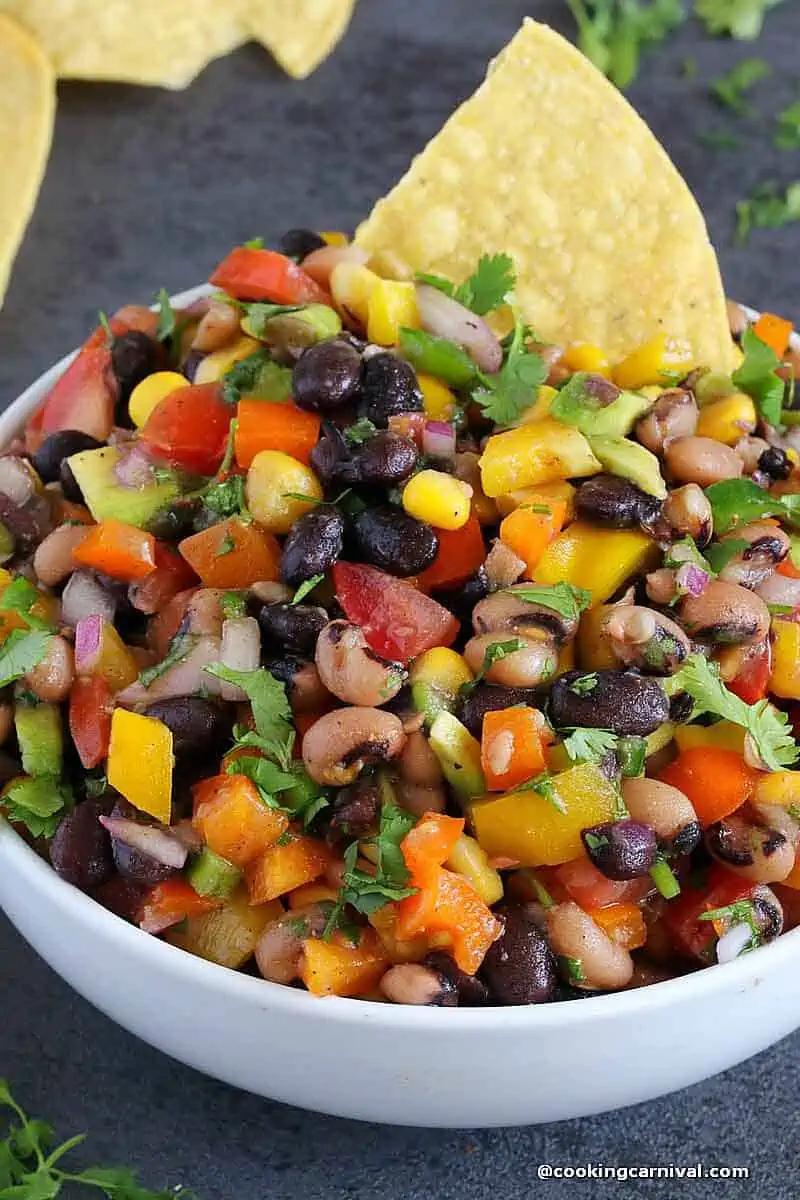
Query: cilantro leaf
[258,378]
[254,243]
[721,553]
[259,313]
[486,289]
[505,396]
[494,653]
[227,499]
[572,968]
[736,502]
[613,33]
[564,598]
[271,711]
[787,135]
[718,141]
[365,892]
[305,587]
[360,431]
[167,321]
[179,649]
[767,208]
[105,325]
[768,728]
[589,745]
[756,376]
[21,652]
[233,605]
[38,804]
[20,597]
[584,685]
[730,90]
[741,19]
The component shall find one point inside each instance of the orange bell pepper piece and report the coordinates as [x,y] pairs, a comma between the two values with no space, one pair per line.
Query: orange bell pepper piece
[623,923]
[232,554]
[774,332]
[170,902]
[716,781]
[511,748]
[529,530]
[447,903]
[431,842]
[233,820]
[286,866]
[337,968]
[788,569]
[461,552]
[265,426]
[399,950]
[119,550]
[311,893]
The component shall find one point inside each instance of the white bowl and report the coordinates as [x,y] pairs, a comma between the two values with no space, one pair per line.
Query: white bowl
[381,1062]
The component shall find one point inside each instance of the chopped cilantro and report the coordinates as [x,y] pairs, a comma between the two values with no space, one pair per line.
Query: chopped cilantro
[564,598]
[272,714]
[360,431]
[105,325]
[767,208]
[595,841]
[256,243]
[306,586]
[719,141]
[257,376]
[21,652]
[486,289]
[167,322]
[259,313]
[179,648]
[735,502]
[613,33]
[664,878]
[585,685]
[228,499]
[493,654]
[721,553]
[226,546]
[741,19]
[589,745]
[756,376]
[366,892]
[684,551]
[38,804]
[505,396]
[20,597]
[233,605]
[573,969]
[730,90]
[787,135]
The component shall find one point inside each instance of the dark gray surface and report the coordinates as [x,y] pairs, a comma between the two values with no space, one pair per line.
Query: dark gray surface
[146,189]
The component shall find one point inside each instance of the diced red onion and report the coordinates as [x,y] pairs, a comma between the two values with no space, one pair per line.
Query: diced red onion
[441,315]
[88,638]
[319,263]
[133,468]
[691,579]
[84,596]
[196,310]
[734,942]
[16,480]
[439,440]
[240,650]
[158,844]
[185,678]
[780,589]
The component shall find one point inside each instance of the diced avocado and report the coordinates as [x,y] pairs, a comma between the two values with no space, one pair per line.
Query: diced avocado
[40,737]
[431,700]
[712,386]
[459,756]
[107,498]
[305,326]
[273,382]
[211,875]
[631,461]
[597,407]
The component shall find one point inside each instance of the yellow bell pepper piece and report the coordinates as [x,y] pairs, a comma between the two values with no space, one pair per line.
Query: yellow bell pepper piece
[537,453]
[437,399]
[784,680]
[562,489]
[599,560]
[334,237]
[219,362]
[140,763]
[351,287]
[724,735]
[469,860]
[540,407]
[594,651]
[583,356]
[438,499]
[539,831]
[655,362]
[781,788]
[148,394]
[728,420]
[391,306]
[228,935]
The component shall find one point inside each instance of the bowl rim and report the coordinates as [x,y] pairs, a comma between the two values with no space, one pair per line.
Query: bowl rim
[41,880]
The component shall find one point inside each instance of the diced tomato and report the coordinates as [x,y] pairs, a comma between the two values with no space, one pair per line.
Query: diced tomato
[171,576]
[249,274]
[692,937]
[589,888]
[165,624]
[170,902]
[90,706]
[83,398]
[752,681]
[399,622]
[461,552]
[189,428]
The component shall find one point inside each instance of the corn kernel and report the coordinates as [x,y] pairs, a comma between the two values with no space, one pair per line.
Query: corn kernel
[583,356]
[469,860]
[275,487]
[540,407]
[219,362]
[654,362]
[391,306]
[442,668]
[784,680]
[438,499]
[334,237]
[351,286]
[438,401]
[729,419]
[151,391]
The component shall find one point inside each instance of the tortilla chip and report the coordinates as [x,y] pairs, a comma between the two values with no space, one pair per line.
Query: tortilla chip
[300,34]
[548,162]
[159,42]
[27,112]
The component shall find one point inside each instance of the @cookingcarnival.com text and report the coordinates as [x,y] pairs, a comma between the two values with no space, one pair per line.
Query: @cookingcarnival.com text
[622,1173]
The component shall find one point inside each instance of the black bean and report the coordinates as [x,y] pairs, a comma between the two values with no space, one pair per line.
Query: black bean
[122,897]
[134,356]
[56,448]
[462,600]
[620,849]
[23,524]
[488,698]
[519,967]
[131,863]
[299,243]
[686,840]
[355,810]
[614,503]
[470,989]
[331,457]
[293,626]
[775,463]
[326,376]
[389,386]
[390,539]
[314,543]
[387,458]
[198,726]
[175,521]
[81,849]
[621,701]
[768,914]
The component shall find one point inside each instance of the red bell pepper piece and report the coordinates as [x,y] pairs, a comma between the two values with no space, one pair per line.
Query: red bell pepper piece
[751,683]
[264,426]
[170,902]
[171,575]
[691,936]
[189,428]
[248,274]
[399,622]
[90,705]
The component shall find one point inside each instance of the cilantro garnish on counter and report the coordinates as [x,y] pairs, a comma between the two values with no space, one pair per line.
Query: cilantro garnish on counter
[741,19]
[768,208]
[485,290]
[613,33]
[787,135]
[730,90]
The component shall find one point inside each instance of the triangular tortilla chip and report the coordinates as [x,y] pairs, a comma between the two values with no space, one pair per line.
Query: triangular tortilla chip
[300,34]
[548,162]
[27,111]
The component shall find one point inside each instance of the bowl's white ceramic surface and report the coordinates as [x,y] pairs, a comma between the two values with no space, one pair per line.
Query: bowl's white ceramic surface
[380,1062]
